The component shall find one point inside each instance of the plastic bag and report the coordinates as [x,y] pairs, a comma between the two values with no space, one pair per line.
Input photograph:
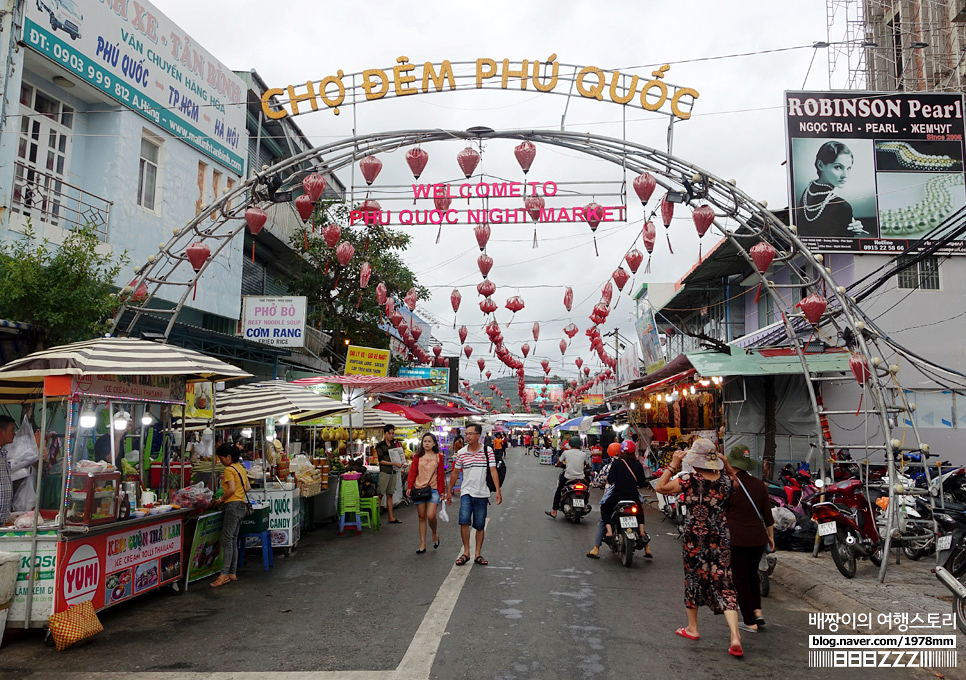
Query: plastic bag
[784,518]
[23,450]
[194,496]
[26,497]
[442,514]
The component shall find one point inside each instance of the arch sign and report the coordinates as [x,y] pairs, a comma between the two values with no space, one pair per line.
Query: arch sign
[407,78]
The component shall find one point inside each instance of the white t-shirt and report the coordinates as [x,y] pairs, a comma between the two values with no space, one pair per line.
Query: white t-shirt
[475,470]
[575,460]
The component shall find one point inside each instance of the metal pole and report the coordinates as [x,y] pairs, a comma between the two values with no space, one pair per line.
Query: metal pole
[33,533]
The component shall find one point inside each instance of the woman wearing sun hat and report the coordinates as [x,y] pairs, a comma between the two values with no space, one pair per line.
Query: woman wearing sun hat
[750,524]
[706,542]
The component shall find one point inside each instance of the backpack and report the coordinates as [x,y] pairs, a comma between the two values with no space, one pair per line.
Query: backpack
[500,470]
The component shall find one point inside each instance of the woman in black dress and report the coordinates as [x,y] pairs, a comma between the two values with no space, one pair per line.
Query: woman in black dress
[822,212]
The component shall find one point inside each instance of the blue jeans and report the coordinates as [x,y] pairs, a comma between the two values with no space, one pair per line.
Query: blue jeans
[234,514]
[433,498]
[473,511]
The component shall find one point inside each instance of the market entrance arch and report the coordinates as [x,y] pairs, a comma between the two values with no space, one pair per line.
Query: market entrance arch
[840,316]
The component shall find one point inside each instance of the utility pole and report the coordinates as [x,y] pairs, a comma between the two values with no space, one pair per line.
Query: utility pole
[617,356]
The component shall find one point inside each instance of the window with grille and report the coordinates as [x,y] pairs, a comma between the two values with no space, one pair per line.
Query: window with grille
[148,171]
[923,274]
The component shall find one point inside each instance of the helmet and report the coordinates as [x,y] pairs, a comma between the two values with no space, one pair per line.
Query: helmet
[613,450]
[575,442]
[629,446]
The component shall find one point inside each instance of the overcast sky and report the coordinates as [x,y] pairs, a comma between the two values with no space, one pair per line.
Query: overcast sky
[736,130]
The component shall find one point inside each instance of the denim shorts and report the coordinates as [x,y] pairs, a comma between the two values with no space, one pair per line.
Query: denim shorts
[434,498]
[475,508]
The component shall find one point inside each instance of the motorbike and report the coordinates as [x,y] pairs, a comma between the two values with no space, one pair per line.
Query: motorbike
[672,507]
[846,523]
[575,500]
[951,563]
[629,534]
[766,567]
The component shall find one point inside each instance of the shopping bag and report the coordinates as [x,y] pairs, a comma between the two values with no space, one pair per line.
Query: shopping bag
[442,514]
[74,624]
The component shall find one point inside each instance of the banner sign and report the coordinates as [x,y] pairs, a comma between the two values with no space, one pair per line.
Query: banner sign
[652,352]
[133,53]
[115,566]
[206,557]
[439,376]
[628,366]
[155,388]
[874,172]
[538,393]
[366,361]
[277,321]
[42,605]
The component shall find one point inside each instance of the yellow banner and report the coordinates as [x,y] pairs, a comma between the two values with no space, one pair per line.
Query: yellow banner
[366,361]
[593,399]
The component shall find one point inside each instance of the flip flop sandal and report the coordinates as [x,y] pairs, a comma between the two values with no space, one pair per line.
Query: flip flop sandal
[549,514]
[463,559]
[736,651]
[480,560]
[685,634]
[593,556]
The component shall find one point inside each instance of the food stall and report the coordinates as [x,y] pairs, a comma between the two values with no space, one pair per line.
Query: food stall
[93,547]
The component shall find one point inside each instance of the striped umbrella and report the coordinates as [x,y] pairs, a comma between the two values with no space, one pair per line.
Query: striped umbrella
[377,418]
[23,379]
[553,420]
[369,384]
[272,399]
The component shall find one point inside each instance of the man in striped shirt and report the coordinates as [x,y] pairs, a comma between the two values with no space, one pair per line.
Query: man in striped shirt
[476,462]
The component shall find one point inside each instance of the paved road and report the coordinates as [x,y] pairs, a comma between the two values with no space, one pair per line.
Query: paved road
[369,607]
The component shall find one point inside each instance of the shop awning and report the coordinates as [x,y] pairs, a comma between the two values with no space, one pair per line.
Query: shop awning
[369,384]
[769,362]
[272,399]
[404,411]
[436,410]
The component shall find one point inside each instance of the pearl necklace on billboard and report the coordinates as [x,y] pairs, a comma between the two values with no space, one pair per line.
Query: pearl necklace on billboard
[812,209]
[909,157]
[935,206]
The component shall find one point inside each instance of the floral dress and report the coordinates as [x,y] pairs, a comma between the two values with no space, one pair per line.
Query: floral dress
[707,544]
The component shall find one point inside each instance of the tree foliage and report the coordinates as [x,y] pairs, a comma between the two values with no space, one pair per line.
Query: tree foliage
[65,292]
[336,303]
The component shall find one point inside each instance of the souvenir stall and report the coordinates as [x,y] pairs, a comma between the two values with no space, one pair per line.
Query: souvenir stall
[100,545]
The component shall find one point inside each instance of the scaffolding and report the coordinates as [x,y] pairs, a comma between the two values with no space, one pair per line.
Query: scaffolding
[897,45]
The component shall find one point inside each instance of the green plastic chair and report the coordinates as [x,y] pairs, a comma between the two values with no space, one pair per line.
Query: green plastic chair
[349,503]
[371,505]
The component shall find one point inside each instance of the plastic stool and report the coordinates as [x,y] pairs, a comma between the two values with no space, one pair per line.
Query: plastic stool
[268,557]
[371,505]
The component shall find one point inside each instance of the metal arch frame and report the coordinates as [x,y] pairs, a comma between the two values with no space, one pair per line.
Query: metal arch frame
[224,219]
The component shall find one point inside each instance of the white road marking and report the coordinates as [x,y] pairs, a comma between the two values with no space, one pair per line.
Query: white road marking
[416,664]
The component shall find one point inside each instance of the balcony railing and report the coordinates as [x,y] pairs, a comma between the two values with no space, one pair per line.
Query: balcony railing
[48,199]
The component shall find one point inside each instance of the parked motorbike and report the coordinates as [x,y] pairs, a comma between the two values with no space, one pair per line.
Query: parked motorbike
[951,563]
[575,500]
[846,523]
[629,535]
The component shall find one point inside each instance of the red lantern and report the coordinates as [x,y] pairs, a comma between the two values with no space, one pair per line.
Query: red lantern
[390,307]
[442,203]
[620,277]
[634,259]
[579,362]
[860,369]
[365,271]
[536,331]
[563,347]
[481,364]
[437,350]
[197,253]
[515,304]
[762,254]
[534,205]
[569,298]
[402,327]
[411,299]
[416,159]
[486,288]
[482,232]
[304,207]
[644,185]
[314,186]
[545,363]
[586,370]
[468,159]
[525,152]
[607,293]
[524,350]
[371,211]
[488,374]
[463,333]
[571,330]
[485,263]
[446,362]
[415,331]
[455,298]
[649,234]
[667,213]
[140,291]
[256,218]
[370,166]
[467,350]
[332,234]
[381,294]
[344,252]
[813,307]
[488,306]
[703,217]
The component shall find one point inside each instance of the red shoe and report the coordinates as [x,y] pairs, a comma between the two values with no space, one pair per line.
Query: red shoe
[684,633]
[736,651]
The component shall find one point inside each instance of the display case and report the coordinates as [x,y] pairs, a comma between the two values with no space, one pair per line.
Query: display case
[93,498]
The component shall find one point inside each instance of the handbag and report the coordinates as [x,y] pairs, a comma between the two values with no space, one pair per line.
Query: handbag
[421,493]
[74,624]
[248,503]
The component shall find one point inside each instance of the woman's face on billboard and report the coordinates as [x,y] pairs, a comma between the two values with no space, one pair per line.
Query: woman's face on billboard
[837,172]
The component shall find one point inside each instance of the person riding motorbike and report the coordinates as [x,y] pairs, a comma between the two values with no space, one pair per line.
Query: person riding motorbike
[626,476]
[574,461]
